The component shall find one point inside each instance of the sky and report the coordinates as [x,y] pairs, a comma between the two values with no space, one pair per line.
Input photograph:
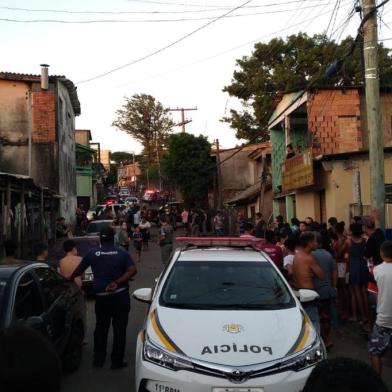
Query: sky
[191,73]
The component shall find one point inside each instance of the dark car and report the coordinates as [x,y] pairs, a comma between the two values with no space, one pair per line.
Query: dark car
[35,295]
[95,227]
[83,244]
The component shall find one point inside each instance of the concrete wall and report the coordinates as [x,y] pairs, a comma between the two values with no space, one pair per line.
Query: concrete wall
[67,156]
[15,122]
[308,204]
[82,136]
[237,173]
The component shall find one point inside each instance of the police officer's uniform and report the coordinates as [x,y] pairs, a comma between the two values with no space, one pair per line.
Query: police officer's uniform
[108,264]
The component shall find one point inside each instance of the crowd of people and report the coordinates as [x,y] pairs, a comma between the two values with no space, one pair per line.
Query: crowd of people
[349,268]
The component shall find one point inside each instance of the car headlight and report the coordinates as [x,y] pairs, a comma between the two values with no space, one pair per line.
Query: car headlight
[157,356]
[314,354]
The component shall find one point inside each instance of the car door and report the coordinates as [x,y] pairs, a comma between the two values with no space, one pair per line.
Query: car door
[58,303]
[28,304]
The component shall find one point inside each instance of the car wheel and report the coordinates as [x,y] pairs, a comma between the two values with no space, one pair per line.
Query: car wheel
[72,356]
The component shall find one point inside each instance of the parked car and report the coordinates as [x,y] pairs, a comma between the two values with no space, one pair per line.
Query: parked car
[95,227]
[248,330]
[98,210]
[150,195]
[124,192]
[110,200]
[132,200]
[35,295]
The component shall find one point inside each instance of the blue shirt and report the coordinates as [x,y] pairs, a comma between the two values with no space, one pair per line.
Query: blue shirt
[108,263]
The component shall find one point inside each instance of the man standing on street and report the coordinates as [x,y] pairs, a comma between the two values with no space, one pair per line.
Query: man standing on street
[305,269]
[112,268]
[70,261]
[326,289]
[165,240]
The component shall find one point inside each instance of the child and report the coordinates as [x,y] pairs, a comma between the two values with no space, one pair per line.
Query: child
[138,242]
[380,338]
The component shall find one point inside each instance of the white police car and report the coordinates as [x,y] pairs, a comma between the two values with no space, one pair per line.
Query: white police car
[223,319]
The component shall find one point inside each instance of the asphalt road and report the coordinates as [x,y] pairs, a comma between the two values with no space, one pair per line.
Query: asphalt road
[348,341]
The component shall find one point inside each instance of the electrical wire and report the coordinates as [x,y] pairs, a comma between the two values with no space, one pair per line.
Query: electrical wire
[276,32]
[220,8]
[174,4]
[153,20]
[332,16]
[154,53]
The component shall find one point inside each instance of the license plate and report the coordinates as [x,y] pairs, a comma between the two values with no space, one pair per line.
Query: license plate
[154,386]
[237,389]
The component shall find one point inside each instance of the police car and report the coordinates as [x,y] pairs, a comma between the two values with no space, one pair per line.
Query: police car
[222,318]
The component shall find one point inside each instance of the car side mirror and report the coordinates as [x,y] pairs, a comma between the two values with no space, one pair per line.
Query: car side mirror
[306,295]
[143,295]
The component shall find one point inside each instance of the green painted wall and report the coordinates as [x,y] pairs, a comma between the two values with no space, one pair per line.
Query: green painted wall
[278,155]
[299,137]
[84,185]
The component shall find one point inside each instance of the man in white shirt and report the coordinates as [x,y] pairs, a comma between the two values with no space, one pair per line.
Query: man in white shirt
[380,339]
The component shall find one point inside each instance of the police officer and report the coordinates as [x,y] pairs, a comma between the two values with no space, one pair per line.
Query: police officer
[112,269]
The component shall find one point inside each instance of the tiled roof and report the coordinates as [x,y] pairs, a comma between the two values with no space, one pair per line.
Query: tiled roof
[52,78]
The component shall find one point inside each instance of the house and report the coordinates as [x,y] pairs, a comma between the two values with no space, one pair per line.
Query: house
[329,174]
[128,174]
[37,124]
[105,159]
[90,172]
[241,179]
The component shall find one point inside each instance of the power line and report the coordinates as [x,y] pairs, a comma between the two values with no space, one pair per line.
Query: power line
[235,47]
[174,4]
[153,20]
[122,12]
[184,37]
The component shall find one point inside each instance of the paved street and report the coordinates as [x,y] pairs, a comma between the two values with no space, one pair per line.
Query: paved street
[103,380]
[349,341]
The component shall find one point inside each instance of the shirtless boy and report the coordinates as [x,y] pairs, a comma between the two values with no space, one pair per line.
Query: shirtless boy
[305,268]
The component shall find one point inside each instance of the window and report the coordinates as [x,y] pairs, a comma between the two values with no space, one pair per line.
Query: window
[225,285]
[53,285]
[28,302]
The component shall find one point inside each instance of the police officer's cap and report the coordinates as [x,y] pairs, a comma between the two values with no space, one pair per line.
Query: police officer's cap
[107,234]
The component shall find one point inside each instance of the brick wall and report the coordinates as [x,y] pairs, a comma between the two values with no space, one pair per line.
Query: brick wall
[44,117]
[334,121]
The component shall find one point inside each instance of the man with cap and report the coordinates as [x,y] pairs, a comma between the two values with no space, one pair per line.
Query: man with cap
[112,269]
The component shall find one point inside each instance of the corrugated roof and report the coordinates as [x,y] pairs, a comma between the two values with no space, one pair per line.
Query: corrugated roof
[73,95]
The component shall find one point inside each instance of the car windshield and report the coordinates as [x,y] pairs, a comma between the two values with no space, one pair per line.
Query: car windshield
[96,227]
[225,285]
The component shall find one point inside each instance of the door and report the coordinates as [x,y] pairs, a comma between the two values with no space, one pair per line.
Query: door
[28,306]
[58,304]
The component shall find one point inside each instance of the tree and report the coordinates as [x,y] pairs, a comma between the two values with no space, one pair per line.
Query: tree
[188,163]
[147,121]
[121,157]
[284,65]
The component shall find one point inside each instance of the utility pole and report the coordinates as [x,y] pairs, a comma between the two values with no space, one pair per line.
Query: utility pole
[159,165]
[219,174]
[183,120]
[263,180]
[372,86]
[134,169]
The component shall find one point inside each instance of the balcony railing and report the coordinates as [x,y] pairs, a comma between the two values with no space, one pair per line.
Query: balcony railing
[297,172]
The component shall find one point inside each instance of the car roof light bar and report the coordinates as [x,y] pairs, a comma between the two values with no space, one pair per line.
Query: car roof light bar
[220,241]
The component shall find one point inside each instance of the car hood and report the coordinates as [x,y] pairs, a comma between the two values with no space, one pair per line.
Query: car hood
[234,338]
